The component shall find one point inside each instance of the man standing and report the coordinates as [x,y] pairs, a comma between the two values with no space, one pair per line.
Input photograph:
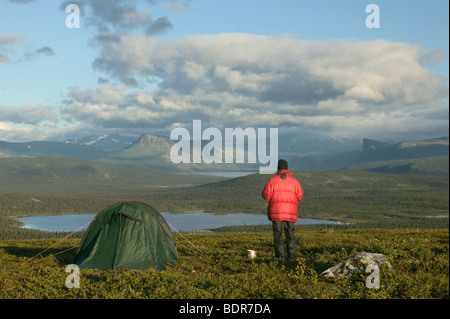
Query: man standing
[283,192]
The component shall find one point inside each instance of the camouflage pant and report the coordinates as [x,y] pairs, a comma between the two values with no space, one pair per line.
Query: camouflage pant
[289,246]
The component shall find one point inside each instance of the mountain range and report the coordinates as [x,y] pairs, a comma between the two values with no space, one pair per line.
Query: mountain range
[303,152]
[45,148]
[107,142]
[59,174]
[375,153]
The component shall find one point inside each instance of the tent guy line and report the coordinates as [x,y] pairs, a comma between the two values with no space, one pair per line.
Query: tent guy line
[64,238]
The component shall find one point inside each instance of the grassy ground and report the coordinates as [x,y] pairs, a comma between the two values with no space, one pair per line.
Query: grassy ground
[216,267]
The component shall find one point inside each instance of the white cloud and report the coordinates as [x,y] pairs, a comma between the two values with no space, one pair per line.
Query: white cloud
[13,132]
[270,66]
[120,15]
[174,5]
[8,45]
[28,114]
[12,39]
[115,107]
[16,48]
[244,79]
[104,94]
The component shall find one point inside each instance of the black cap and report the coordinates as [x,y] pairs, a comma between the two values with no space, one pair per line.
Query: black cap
[282,164]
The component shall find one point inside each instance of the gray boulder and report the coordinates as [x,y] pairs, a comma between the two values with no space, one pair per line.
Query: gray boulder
[356,263]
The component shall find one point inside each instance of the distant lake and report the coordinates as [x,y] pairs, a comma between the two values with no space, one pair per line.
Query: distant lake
[229,174]
[190,222]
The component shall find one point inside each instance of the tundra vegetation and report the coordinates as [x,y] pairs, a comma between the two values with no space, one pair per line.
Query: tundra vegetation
[404,217]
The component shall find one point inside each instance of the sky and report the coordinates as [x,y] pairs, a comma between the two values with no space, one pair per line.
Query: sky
[149,66]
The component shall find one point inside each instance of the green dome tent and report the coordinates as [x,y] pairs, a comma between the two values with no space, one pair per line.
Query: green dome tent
[127,235]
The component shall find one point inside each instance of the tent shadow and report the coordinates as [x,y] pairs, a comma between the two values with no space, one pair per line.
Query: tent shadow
[63,255]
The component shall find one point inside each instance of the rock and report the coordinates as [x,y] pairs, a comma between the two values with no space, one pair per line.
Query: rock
[358,263]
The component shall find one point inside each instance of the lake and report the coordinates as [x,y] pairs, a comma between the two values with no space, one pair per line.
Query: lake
[190,222]
[228,174]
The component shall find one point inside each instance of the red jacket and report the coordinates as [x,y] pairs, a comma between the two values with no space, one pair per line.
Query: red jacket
[283,196]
